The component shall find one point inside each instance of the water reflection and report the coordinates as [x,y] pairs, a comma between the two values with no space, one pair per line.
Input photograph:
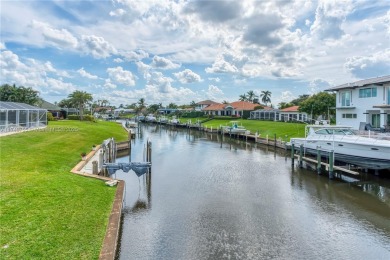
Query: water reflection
[216,197]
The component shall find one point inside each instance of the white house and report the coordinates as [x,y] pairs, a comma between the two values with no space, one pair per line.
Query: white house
[363,102]
[203,104]
[286,114]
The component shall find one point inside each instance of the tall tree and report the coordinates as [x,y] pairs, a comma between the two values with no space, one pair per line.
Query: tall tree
[172,105]
[140,105]
[19,94]
[81,98]
[319,104]
[251,95]
[266,96]
[299,100]
[243,97]
[225,102]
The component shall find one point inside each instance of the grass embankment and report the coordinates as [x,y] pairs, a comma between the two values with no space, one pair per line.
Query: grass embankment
[264,128]
[46,212]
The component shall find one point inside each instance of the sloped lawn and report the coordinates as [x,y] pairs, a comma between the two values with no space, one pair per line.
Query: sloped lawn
[281,129]
[46,212]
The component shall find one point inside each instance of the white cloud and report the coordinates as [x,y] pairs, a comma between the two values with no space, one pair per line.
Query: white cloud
[215,79]
[2,46]
[121,76]
[96,46]
[377,64]
[134,55]
[163,63]
[85,74]
[118,60]
[187,76]
[57,87]
[60,38]
[329,18]
[109,85]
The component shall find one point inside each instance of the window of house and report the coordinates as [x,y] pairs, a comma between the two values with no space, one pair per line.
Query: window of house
[349,115]
[346,99]
[367,92]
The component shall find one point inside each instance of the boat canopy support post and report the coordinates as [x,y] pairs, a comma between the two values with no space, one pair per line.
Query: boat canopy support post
[301,156]
[318,160]
[331,163]
[292,154]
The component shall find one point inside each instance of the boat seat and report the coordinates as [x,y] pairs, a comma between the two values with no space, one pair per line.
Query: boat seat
[370,128]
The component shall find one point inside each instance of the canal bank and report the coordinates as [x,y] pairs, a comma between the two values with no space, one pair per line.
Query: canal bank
[211,199]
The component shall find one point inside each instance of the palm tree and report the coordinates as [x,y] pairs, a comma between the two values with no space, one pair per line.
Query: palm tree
[251,95]
[141,104]
[80,98]
[243,97]
[225,102]
[266,96]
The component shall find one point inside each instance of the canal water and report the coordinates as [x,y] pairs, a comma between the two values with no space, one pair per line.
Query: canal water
[212,199]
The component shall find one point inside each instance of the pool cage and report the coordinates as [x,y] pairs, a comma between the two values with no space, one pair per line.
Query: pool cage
[18,116]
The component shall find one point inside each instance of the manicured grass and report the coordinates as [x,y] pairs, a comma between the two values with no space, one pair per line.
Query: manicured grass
[264,128]
[46,212]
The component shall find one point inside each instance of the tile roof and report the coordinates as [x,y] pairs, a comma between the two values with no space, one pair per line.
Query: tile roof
[238,105]
[290,109]
[361,83]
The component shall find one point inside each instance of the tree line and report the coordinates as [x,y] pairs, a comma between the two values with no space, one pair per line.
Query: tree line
[322,103]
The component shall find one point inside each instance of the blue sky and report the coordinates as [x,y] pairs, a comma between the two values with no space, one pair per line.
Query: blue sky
[182,51]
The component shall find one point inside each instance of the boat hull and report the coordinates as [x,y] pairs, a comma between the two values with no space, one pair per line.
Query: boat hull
[370,155]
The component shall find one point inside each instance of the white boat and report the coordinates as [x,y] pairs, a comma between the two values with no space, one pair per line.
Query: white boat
[175,121]
[234,128]
[163,119]
[150,118]
[366,152]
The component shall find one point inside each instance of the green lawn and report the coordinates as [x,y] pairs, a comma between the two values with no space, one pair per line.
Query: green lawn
[46,212]
[264,128]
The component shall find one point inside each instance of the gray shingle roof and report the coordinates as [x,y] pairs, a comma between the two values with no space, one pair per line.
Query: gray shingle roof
[379,80]
[17,106]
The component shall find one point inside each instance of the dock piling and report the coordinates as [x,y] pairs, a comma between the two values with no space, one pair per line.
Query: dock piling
[318,160]
[292,154]
[331,162]
[301,156]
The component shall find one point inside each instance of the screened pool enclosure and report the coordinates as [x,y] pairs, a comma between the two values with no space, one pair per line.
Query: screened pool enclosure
[18,116]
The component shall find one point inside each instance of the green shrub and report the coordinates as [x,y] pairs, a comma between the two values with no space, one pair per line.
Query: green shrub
[50,117]
[85,118]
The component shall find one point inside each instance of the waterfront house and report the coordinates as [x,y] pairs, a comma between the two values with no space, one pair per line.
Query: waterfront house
[237,109]
[286,114]
[364,103]
[203,104]
[292,114]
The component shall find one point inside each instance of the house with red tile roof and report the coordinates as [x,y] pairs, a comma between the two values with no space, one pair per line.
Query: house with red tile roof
[231,109]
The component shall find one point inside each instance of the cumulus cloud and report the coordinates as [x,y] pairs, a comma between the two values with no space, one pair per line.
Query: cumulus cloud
[215,79]
[121,76]
[163,63]
[118,60]
[96,46]
[109,85]
[60,38]
[213,91]
[318,85]
[261,30]
[215,11]
[57,87]
[374,65]
[2,46]
[134,55]
[87,75]
[330,15]
[187,76]
[228,63]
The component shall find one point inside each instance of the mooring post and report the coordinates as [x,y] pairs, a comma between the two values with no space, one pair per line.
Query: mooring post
[95,167]
[275,140]
[301,156]
[130,150]
[292,154]
[318,160]
[331,162]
